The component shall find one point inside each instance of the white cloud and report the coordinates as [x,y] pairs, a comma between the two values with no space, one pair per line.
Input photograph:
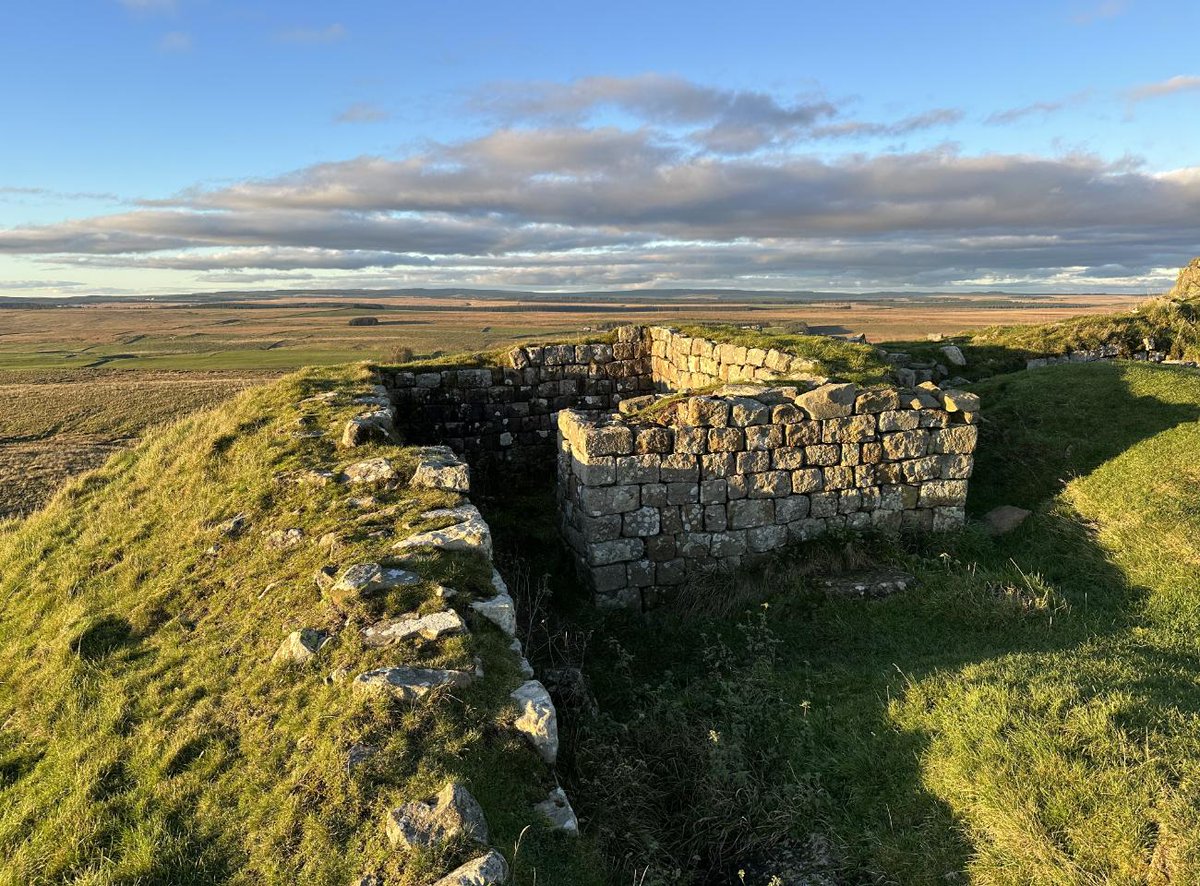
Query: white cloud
[1170,86]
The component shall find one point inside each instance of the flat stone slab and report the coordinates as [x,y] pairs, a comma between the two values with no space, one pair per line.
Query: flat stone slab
[409,684]
[440,468]
[428,823]
[487,870]
[876,583]
[367,578]
[372,470]
[428,627]
[469,532]
[537,720]
[557,810]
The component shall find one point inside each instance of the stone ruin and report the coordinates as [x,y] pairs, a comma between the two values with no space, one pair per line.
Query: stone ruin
[654,484]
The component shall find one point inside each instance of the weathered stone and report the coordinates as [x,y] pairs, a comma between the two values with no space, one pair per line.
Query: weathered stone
[537,719]
[487,870]
[300,646]
[598,501]
[905,444]
[469,532]
[440,468]
[373,470]
[428,627]
[285,538]
[960,401]
[500,609]
[746,411]
[749,513]
[954,355]
[954,439]
[1004,518]
[429,823]
[828,401]
[408,683]
[557,810]
[365,578]
[373,426]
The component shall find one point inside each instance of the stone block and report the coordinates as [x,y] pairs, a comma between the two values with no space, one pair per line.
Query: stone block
[839,477]
[619,550]
[654,495]
[596,501]
[750,513]
[691,440]
[763,437]
[762,539]
[920,469]
[769,484]
[705,412]
[871,453]
[822,455]
[679,468]
[905,444]
[823,504]
[875,400]
[715,518]
[654,440]
[803,530]
[747,412]
[948,519]
[849,501]
[787,458]
[828,401]
[694,545]
[636,469]
[955,467]
[728,544]
[943,493]
[719,465]
[960,401]
[898,420]
[753,462]
[955,439]
[640,523]
[613,439]
[713,492]
[604,528]
[808,480]
[794,507]
[933,418]
[671,572]
[640,573]
[660,547]
[682,493]
[726,440]
[787,414]
[599,471]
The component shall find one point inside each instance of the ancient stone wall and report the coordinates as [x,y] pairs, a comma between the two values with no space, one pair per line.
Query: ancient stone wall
[681,362]
[715,481]
[508,412]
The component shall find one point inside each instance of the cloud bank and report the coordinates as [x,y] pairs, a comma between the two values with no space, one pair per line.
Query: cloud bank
[689,185]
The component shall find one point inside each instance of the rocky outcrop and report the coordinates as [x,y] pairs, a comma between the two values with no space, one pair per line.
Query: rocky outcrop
[1187,285]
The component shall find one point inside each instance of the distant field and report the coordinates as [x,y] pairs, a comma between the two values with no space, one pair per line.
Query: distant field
[287,332]
[56,425]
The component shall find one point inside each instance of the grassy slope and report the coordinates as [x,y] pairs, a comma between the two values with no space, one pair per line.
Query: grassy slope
[144,735]
[1029,713]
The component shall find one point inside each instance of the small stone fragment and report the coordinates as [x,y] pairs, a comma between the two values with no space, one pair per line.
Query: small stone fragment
[487,870]
[557,809]
[500,609]
[537,720]
[452,812]
[285,538]
[301,645]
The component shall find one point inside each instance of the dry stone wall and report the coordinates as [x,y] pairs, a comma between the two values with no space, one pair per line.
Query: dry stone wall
[718,480]
[508,412]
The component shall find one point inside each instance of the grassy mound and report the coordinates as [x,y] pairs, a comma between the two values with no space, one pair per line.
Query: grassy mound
[145,735]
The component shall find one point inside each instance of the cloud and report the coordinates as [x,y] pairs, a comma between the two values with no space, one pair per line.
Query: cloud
[175,41]
[1171,86]
[568,204]
[313,36]
[1033,109]
[362,112]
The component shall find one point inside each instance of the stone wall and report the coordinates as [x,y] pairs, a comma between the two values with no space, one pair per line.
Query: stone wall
[681,362]
[715,481]
[508,412]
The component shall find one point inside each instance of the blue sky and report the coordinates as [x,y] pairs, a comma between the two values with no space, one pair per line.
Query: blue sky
[177,145]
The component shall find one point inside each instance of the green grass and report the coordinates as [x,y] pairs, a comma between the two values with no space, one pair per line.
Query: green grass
[839,359]
[144,735]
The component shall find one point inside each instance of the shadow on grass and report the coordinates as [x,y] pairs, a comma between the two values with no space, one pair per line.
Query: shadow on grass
[878,682]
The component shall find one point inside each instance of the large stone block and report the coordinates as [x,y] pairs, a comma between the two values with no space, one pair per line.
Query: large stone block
[877,400]
[794,507]
[726,440]
[615,439]
[905,444]
[763,437]
[619,550]
[636,469]
[943,493]
[898,420]
[691,440]
[641,523]
[718,465]
[750,513]
[788,458]
[808,480]
[680,468]
[762,539]
[600,500]
[746,411]
[769,484]
[829,401]
[954,439]
[654,440]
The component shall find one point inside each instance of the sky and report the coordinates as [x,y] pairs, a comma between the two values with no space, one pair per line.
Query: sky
[153,146]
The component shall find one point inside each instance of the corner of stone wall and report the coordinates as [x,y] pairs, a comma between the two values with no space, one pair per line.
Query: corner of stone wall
[719,480]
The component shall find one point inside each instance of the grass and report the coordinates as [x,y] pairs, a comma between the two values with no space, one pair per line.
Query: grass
[145,737]
[1027,714]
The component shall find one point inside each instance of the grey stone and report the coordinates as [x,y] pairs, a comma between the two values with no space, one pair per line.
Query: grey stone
[428,627]
[440,468]
[429,823]
[954,355]
[285,538]
[829,401]
[366,578]
[469,532]
[373,470]
[409,684]
[536,719]
[300,646]
[500,609]
[487,870]
[1004,518]
[376,425]
[557,810]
